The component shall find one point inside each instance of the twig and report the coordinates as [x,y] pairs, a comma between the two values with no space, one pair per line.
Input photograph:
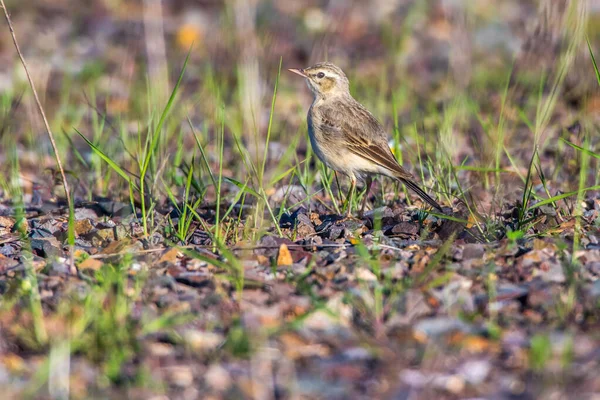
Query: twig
[41,110]
[291,246]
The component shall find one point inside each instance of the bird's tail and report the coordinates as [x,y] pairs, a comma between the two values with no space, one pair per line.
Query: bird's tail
[415,188]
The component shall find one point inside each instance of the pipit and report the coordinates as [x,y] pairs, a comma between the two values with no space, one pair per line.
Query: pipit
[347,137]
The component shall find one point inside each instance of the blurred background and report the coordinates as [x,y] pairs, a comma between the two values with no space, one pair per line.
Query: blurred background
[435,66]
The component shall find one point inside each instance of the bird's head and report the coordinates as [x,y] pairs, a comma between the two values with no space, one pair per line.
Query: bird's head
[324,79]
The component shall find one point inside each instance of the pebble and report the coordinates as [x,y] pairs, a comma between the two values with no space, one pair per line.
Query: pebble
[217,378]
[180,375]
[159,349]
[551,271]
[473,250]
[475,372]
[46,247]
[202,341]
[437,327]
[363,274]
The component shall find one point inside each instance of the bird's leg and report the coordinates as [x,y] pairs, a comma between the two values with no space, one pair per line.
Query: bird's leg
[368,181]
[349,198]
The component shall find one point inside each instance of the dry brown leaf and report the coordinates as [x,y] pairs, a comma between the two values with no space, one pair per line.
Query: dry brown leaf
[169,256]
[284,257]
[91,263]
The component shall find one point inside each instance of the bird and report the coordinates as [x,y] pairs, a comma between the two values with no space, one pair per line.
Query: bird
[347,137]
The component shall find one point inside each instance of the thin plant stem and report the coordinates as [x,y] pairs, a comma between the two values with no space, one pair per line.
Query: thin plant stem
[48,130]
[38,103]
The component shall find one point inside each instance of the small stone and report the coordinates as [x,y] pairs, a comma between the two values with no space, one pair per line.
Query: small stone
[438,327]
[58,266]
[358,354]
[217,378]
[202,341]
[180,376]
[414,306]
[339,313]
[6,224]
[473,250]
[414,378]
[85,213]
[83,226]
[7,263]
[294,194]
[451,383]
[381,212]
[594,267]
[353,225]
[298,269]
[551,272]
[9,250]
[46,247]
[45,229]
[532,258]
[547,210]
[475,372]
[594,290]
[106,234]
[85,246]
[137,267]
[267,246]
[405,229]
[159,349]
[115,208]
[363,274]
[336,231]
[304,226]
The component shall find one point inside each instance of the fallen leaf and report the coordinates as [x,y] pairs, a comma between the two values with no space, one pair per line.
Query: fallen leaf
[169,256]
[284,257]
[91,263]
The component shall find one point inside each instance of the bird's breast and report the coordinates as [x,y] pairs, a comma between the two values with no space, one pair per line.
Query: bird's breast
[317,139]
[333,151]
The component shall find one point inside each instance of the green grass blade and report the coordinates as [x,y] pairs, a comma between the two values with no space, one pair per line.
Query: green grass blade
[586,151]
[203,154]
[593,60]
[236,199]
[243,187]
[171,196]
[108,160]
[480,169]
[163,117]
[285,173]
[564,196]
[264,164]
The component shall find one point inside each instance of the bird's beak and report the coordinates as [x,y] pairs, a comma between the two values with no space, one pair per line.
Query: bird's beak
[298,71]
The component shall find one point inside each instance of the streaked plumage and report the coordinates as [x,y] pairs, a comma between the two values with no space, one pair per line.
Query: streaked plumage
[345,135]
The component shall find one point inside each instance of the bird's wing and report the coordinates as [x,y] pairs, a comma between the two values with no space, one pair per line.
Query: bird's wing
[355,128]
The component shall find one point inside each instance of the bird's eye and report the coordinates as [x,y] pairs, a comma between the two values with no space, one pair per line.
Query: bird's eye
[320,75]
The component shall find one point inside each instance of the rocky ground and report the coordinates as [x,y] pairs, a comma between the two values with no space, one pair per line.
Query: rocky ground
[225,280]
